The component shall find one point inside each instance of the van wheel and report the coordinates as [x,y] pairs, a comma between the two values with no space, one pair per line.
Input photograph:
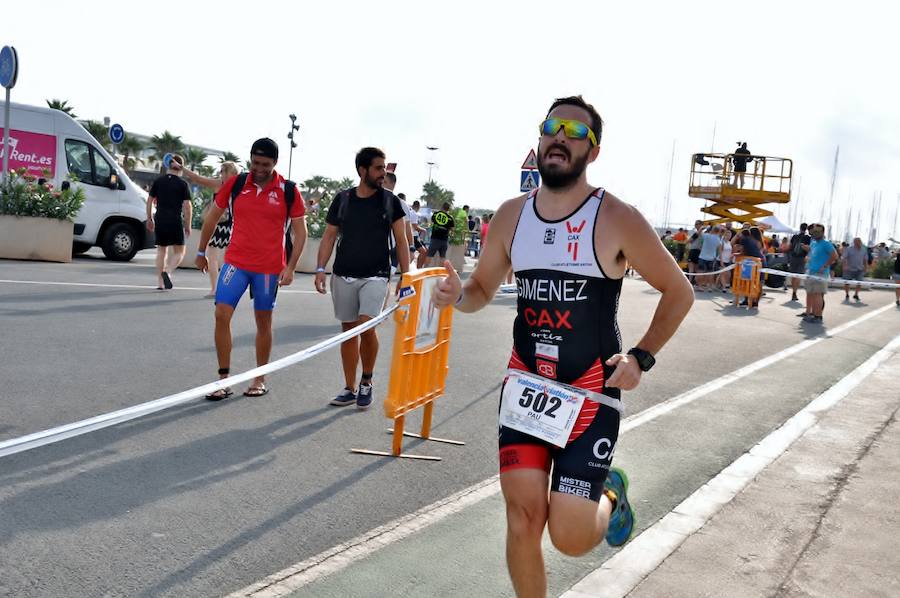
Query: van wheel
[78,248]
[120,242]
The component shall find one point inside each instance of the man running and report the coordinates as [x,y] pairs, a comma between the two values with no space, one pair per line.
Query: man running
[567,243]
[255,256]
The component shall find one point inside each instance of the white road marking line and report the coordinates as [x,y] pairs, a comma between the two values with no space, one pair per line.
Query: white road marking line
[334,559]
[639,558]
[131,286]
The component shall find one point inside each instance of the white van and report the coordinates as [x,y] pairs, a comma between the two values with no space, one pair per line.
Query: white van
[114,214]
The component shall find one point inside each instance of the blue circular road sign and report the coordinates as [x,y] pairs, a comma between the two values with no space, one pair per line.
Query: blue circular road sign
[9,67]
[116,134]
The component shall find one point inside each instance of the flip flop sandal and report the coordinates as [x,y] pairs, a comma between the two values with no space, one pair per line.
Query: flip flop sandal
[256,391]
[167,282]
[220,394]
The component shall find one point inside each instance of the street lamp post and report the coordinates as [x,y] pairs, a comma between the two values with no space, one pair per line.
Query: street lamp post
[294,127]
[431,163]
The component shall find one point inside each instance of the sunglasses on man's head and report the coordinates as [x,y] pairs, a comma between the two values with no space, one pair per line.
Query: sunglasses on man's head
[574,129]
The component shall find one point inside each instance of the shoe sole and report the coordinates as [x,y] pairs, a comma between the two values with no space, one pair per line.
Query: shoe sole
[341,403]
[363,407]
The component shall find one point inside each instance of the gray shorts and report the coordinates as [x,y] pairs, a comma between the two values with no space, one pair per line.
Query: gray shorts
[816,286]
[853,275]
[359,297]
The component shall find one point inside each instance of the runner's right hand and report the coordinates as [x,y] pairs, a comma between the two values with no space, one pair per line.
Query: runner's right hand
[447,291]
[150,225]
[320,282]
[201,263]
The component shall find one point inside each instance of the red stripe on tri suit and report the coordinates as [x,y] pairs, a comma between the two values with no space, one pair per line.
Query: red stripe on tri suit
[591,380]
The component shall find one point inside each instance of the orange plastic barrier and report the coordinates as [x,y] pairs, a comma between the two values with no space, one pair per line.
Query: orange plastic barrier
[419,359]
[745,282]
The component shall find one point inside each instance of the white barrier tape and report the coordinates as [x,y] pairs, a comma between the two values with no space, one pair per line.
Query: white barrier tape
[833,281]
[728,269]
[30,441]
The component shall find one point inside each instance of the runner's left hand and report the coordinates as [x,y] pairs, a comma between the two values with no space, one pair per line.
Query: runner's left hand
[286,277]
[627,374]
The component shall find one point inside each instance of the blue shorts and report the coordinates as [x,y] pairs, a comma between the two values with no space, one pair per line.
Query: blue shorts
[234,281]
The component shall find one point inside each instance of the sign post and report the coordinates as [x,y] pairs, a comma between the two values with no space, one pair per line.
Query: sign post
[9,71]
[530,178]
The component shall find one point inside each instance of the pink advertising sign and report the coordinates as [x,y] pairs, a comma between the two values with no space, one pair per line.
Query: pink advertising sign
[34,151]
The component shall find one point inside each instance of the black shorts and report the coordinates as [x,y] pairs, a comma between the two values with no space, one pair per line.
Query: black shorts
[580,468]
[797,265]
[694,256]
[417,243]
[168,233]
[438,247]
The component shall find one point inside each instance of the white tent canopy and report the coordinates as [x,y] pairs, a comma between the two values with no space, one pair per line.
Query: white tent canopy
[773,225]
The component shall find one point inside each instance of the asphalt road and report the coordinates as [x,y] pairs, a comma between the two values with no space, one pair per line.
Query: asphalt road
[207,498]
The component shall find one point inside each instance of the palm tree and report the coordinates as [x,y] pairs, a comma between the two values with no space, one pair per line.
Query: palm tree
[62,106]
[204,170]
[229,157]
[194,157]
[130,149]
[316,184]
[161,145]
[99,132]
[434,196]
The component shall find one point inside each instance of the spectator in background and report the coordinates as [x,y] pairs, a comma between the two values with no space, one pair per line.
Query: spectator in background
[695,243]
[854,261]
[680,237]
[417,230]
[896,276]
[727,258]
[797,258]
[710,251]
[785,246]
[441,225]
[821,255]
[740,158]
[222,235]
[172,221]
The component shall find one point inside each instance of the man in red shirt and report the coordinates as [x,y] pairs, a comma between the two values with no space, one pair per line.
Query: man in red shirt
[256,255]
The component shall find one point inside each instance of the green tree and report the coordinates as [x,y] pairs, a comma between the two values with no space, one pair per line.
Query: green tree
[99,132]
[194,157]
[62,106]
[205,170]
[434,196]
[130,149]
[316,185]
[229,157]
[161,145]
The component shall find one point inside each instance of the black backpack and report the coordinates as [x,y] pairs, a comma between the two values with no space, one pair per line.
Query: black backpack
[290,188]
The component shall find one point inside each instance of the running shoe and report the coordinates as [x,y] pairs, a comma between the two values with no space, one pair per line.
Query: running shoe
[364,398]
[344,398]
[621,521]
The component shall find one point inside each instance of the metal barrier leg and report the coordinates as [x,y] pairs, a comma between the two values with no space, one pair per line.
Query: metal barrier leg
[426,429]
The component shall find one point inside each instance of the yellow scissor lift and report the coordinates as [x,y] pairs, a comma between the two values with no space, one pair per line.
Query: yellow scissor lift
[767,180]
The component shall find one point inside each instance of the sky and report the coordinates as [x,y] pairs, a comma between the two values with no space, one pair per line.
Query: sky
[793,79]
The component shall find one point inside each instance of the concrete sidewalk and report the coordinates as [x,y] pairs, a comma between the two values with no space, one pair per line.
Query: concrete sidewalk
[823,519]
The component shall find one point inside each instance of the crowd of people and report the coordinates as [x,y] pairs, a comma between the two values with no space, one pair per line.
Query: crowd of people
[709,250]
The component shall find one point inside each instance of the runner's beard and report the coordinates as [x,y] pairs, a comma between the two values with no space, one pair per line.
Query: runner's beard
[374,183]
[558,176]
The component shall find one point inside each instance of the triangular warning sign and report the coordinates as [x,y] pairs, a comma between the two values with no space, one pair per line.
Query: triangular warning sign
[530,162]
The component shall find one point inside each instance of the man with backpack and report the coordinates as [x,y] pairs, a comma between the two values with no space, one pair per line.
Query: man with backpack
[262,204]
[797,258]
[360,220]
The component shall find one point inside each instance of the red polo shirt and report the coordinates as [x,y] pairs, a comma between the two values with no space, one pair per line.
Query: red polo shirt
[257,237]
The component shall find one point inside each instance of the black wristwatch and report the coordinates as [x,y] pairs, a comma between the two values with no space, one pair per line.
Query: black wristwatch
[644,358]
